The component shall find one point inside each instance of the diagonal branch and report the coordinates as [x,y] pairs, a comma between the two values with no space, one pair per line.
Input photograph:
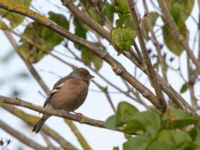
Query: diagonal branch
[48,131]
[76,117]
[86,19]
[151,72]
[155,42]
[18,135]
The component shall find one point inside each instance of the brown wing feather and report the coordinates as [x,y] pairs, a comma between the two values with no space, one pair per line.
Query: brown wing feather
[56,87]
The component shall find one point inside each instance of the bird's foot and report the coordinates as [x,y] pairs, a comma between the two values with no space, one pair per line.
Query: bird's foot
[79,115]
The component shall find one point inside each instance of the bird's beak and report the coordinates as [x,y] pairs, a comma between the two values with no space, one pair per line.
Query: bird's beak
[91,76]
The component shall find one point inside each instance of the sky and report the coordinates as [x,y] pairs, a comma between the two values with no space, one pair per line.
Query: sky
[96,106]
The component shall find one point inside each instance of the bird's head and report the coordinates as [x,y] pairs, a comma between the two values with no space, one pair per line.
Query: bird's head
[82,73]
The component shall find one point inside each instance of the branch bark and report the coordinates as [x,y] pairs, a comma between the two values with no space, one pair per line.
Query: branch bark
[147,62]
[75,117]
[31,120]
[18,135]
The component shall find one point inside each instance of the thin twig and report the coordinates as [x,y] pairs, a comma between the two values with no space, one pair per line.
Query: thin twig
[105,91]
[156,43]
[151,72]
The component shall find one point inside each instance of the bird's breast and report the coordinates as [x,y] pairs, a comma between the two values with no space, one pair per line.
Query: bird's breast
[71,95]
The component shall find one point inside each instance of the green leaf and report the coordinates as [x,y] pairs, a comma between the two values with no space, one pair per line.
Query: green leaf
[110,123]
[51,37]
[184,122]
[137,143]
[94,15]
[122,6]
[41,40]
[31,53]
[197,139]
[108,10]
[175,138]
[97,61]
[89,57]
[86,55]
[150,122]
[80,29]
[195,135]
[133,126]
[176,12]
[181,9]
[59,19]
[170,42]
[14,18]
[176,114]
[184,88]
[175,118]
[125,20]
[148,22]
[123,37]
[124,113]
[158,145]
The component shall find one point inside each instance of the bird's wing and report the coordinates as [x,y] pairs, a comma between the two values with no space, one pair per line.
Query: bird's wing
[55,89]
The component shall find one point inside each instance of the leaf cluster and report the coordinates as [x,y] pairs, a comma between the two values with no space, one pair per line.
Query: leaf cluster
[175,129]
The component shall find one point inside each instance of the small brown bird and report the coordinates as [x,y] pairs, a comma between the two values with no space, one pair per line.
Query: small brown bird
[68,94]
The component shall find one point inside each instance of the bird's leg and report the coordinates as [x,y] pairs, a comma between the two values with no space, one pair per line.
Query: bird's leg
[81,116]
[64,111]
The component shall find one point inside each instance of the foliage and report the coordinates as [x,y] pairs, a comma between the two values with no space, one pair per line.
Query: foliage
[175,129]
[38,40]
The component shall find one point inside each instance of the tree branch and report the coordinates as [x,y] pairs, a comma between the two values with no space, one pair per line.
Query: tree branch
[21,137]
[151,72]
[84,17]
[31,120]
[59,113]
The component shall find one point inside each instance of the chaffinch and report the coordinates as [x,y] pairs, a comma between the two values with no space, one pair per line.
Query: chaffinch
[68,94]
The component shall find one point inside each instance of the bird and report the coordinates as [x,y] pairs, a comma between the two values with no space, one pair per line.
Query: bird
[67,94]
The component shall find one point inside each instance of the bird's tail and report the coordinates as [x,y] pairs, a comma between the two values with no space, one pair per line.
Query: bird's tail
[40,123]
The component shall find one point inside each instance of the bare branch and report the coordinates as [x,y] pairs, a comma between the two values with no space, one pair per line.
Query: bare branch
[156,43]
[18,135]
[151,72]
[59,113]
[48,131]
[86,19]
